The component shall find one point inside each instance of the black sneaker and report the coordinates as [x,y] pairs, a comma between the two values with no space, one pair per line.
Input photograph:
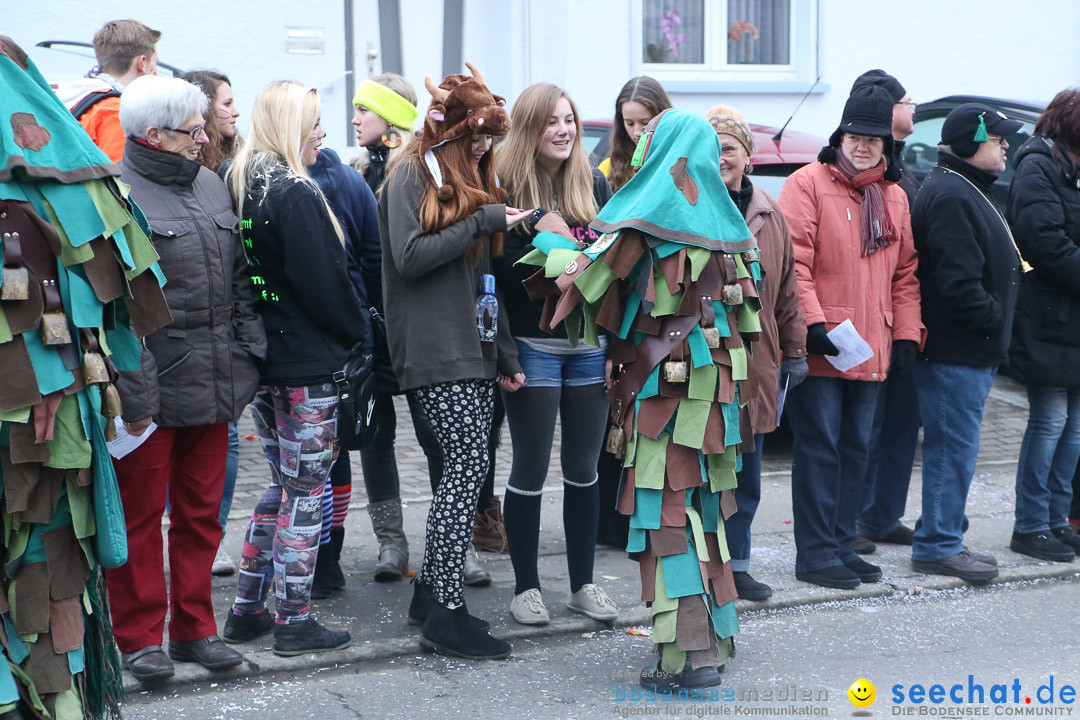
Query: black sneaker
[245,628]
[658,680]
[702,677]
[867,573]
[308,637]
[452,632]
[750,589]
[1042,545]
[1068,535]
[836,576]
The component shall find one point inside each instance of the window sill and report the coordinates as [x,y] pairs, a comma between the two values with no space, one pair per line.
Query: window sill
[702,87]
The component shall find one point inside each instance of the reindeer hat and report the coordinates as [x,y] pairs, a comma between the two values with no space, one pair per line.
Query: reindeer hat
[460,106]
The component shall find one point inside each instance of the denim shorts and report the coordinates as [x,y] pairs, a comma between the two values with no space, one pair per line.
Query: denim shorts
[544,369]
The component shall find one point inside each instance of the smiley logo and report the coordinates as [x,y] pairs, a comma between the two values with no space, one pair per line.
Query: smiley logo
[862,693]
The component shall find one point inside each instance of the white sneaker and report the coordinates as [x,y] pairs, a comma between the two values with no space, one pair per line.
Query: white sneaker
[528,608]
[223,562]
[592,601]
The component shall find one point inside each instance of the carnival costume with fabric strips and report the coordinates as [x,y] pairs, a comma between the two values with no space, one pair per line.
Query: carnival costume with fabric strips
[675,280]
[78,270]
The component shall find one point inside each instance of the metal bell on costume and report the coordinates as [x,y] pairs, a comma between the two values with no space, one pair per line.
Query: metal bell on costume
[676,371]
[712,336]
[616,441]
[94,370]
[731,295]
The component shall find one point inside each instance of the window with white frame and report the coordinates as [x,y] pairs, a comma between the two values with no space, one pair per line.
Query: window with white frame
[726,40]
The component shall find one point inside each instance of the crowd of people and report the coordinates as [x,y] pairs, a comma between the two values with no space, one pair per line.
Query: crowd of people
[661,301]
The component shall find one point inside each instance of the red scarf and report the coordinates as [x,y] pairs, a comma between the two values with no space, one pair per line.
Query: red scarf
[877,227]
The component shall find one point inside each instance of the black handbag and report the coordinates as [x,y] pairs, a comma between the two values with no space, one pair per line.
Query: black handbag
[357,419]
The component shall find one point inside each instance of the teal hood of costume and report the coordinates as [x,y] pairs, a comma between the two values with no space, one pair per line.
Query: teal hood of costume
[678,194]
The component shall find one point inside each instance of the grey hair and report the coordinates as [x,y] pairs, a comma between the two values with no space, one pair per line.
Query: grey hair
[152,101]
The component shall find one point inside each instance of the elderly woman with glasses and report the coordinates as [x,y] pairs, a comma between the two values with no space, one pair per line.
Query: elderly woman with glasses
[197,374]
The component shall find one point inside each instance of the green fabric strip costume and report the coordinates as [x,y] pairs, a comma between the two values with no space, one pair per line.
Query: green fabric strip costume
[78,271]
[675,280]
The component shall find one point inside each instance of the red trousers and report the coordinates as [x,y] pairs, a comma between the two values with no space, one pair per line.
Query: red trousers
[187,463]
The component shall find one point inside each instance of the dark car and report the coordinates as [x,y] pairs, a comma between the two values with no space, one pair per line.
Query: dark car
[920,151]
[773,161]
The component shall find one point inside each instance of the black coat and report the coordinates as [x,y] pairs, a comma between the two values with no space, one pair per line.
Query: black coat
[968,267]
[1044,211]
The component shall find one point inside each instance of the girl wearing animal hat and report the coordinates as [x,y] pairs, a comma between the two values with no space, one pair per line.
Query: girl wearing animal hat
[441,219]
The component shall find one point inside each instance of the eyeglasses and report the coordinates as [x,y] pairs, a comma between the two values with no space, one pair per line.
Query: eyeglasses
[910,104]
[193,133]
[996,139]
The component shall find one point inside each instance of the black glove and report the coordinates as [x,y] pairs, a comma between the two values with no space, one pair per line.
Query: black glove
[903,356]
[793,370]
[817,341]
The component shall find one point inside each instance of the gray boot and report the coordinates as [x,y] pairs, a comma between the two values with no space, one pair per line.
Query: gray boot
[393,545]
[474,573]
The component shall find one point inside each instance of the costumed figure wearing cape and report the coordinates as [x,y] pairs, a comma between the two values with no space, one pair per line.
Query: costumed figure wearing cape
[675,280]
[79,273]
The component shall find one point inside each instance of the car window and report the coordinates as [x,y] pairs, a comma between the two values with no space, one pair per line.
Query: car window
[920,150]
[771,178]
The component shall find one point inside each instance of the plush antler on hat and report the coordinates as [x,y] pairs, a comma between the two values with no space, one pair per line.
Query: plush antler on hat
[460,105]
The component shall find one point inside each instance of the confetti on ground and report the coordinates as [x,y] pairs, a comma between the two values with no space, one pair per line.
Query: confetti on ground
[639,630]
[610,577]
[411,573]
[588,635]
[787,522]
[249,437]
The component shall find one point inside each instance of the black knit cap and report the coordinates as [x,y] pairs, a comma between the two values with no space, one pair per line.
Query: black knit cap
[883,80]
[868,111]
[963,132]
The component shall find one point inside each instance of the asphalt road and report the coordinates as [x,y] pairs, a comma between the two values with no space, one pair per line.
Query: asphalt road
[1014,636]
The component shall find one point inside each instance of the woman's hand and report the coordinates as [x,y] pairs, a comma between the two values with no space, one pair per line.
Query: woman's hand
[138,427]
[515,216]
[512,383]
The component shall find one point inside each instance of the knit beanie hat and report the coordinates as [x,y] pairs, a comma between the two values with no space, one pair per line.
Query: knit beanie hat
[387,104]
[868,111]
[726,120]
[883,80]
[969,125]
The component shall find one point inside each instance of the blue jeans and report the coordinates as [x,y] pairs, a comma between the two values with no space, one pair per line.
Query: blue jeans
[747,497]
[892,456]
[831,419]
[951,402]
[543,369]
[1048,458]
[232,467]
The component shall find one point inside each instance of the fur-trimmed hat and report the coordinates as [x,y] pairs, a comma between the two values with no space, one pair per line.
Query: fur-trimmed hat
[460,105]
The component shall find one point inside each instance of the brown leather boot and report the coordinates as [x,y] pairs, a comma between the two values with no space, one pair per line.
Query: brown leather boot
[489,531]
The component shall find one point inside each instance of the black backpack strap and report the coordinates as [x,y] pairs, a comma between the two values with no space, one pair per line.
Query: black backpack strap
[90,100]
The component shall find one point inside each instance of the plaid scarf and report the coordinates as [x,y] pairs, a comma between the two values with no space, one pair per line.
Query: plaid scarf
[877,227]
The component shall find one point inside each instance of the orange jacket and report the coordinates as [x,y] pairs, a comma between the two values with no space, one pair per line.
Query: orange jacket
[102,124]
[878,293]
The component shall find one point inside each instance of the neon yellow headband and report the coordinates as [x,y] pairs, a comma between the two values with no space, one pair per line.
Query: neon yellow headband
[386,103]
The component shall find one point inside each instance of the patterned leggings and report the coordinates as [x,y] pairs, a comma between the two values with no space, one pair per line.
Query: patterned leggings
[459,413]
[297,427]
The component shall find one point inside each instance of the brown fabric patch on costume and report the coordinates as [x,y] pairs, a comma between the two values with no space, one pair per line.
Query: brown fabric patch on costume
[672,390]
[654,415]
[85,477]
[44,415]
[553,222]
[683,181]
[566,304]
[28,134]
[672,269]
[67,566]
[624,254]
[647,567]
[538,286]
[622,352]
[626,493]
[668,541]
[43,227]
[10,48]
[32,598]
[690,303]
[66,624]
[41,504]
[692,625]
[147,307]
[683,467]
[24,446]
[673,509]
[714,432]
[728,505]
[20,479]
[725,386]
[646,323]
[610,314]
[572,270]
[103,272]
[49,671]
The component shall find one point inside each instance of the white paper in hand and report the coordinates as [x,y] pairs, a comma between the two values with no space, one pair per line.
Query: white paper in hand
[853,349]
[125,442]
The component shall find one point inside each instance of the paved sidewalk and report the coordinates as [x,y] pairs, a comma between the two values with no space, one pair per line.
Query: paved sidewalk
[376,613]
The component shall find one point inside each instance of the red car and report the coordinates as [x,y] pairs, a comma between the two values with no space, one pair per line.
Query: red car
[773,161]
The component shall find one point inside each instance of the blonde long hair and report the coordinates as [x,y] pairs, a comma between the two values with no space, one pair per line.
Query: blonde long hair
[405,89]
[285,113]
[515,159]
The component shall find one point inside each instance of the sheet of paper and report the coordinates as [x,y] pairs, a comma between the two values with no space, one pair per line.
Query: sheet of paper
[125,442]
[780,398]
[853,349]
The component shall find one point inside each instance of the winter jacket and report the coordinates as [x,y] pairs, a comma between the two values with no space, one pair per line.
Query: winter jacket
[354,205]
[968,266]
[525,313]
[430,289]
[878,293]
[1044,212]
[299,272]
[200,369]
[102,121]
[783,324]
[908,182]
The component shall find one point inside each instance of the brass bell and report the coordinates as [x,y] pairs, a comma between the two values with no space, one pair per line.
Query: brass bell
[54,329]
[616,441]
[731,295]
[712,336]
[751,256]
[676,371]
[94,370]
[110,431]
[110,402]
[15,284]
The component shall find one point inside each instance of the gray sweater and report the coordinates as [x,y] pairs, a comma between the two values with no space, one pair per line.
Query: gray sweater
[430,289]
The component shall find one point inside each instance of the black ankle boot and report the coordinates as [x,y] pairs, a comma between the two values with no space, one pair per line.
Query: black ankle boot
[453,632]
[329,578]
[423,601]
[308,637]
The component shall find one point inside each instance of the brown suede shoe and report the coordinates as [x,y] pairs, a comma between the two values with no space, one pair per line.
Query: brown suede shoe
[900,536]
[863,546]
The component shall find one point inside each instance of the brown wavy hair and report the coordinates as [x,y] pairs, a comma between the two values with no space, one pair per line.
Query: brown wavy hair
[1060,122]
[473,186]
[651,94]
[220,148]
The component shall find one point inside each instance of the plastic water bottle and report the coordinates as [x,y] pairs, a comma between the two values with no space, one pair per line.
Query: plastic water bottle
[487,310]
